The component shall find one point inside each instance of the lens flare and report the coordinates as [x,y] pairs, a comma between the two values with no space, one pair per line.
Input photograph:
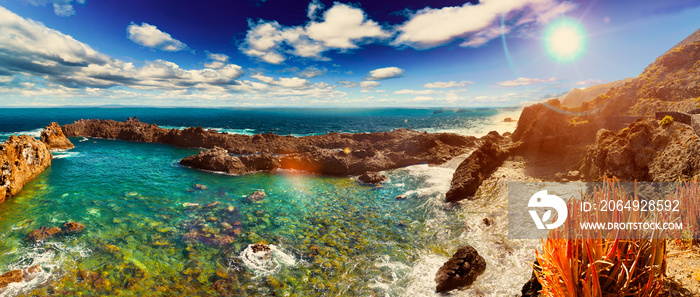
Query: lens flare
[565,40]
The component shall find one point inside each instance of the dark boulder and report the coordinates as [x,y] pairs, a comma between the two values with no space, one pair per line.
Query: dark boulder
[478,166]
[461,270]
[372,178]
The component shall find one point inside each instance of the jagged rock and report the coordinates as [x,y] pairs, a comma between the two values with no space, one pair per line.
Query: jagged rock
[72,227]
[22,158]
[16,276]
[256,196]
[54,138]
[644,151]
[42,233]
[532,287]
[478,166]
[260,247]
[329,154]
[461,270]
[372,178]
[216,159]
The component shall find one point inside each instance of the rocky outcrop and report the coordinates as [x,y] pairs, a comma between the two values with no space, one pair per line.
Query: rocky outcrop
[19,275]
[644,151]
[372,178]
[54,138]
[329,154]
[478,166]
[461,270]
[22,158]
[546,128]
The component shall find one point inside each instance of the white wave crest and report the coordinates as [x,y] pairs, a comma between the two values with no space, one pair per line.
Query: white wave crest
[265,262]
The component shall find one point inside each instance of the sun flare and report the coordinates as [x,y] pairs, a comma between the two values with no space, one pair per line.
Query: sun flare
[565,40]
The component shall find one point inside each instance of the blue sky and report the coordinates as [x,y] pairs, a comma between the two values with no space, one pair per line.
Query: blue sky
[322,53]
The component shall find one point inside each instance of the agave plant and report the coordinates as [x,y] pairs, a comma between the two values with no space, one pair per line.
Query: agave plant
[601,263]
[688,195]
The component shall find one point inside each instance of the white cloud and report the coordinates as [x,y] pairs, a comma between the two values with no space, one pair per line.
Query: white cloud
[589,82]
[293,82]
[474,24]
[348,84]
[30,49]
[415,92]
[314,7]
[385,73]
[368,85]
[63,8]
[311,72]
[343,27]
[216,61]
[448,84]
[524,81]
[150,36]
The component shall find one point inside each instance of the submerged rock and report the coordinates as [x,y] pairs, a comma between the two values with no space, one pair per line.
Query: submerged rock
[17,276]
[42,233]
[54,138]
[372,178]
[199,187]
[256,196]
[72,228]
[22,158]
[461,270]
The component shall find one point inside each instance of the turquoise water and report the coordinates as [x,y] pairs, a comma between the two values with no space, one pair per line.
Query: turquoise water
[329,236]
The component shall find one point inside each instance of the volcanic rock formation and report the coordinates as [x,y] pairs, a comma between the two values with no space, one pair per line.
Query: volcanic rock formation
[22,158]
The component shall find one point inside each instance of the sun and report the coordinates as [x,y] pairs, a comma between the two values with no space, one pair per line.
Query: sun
[565,40]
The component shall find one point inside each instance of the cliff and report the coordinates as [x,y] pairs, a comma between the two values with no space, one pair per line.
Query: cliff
[22,158]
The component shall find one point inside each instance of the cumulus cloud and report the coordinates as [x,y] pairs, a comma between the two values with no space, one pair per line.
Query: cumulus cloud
[64,10]
[150,36]
[474,24]
[293,82]
[414,92]
[311,72]
[448,84]
[33,50]
[385,73]
[589,82]
[524,81]
[342,27]
[368,85]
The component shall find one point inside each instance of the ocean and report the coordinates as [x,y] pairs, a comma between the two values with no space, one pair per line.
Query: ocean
[330,236]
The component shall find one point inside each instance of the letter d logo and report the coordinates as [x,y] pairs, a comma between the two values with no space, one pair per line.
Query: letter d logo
[541,199]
